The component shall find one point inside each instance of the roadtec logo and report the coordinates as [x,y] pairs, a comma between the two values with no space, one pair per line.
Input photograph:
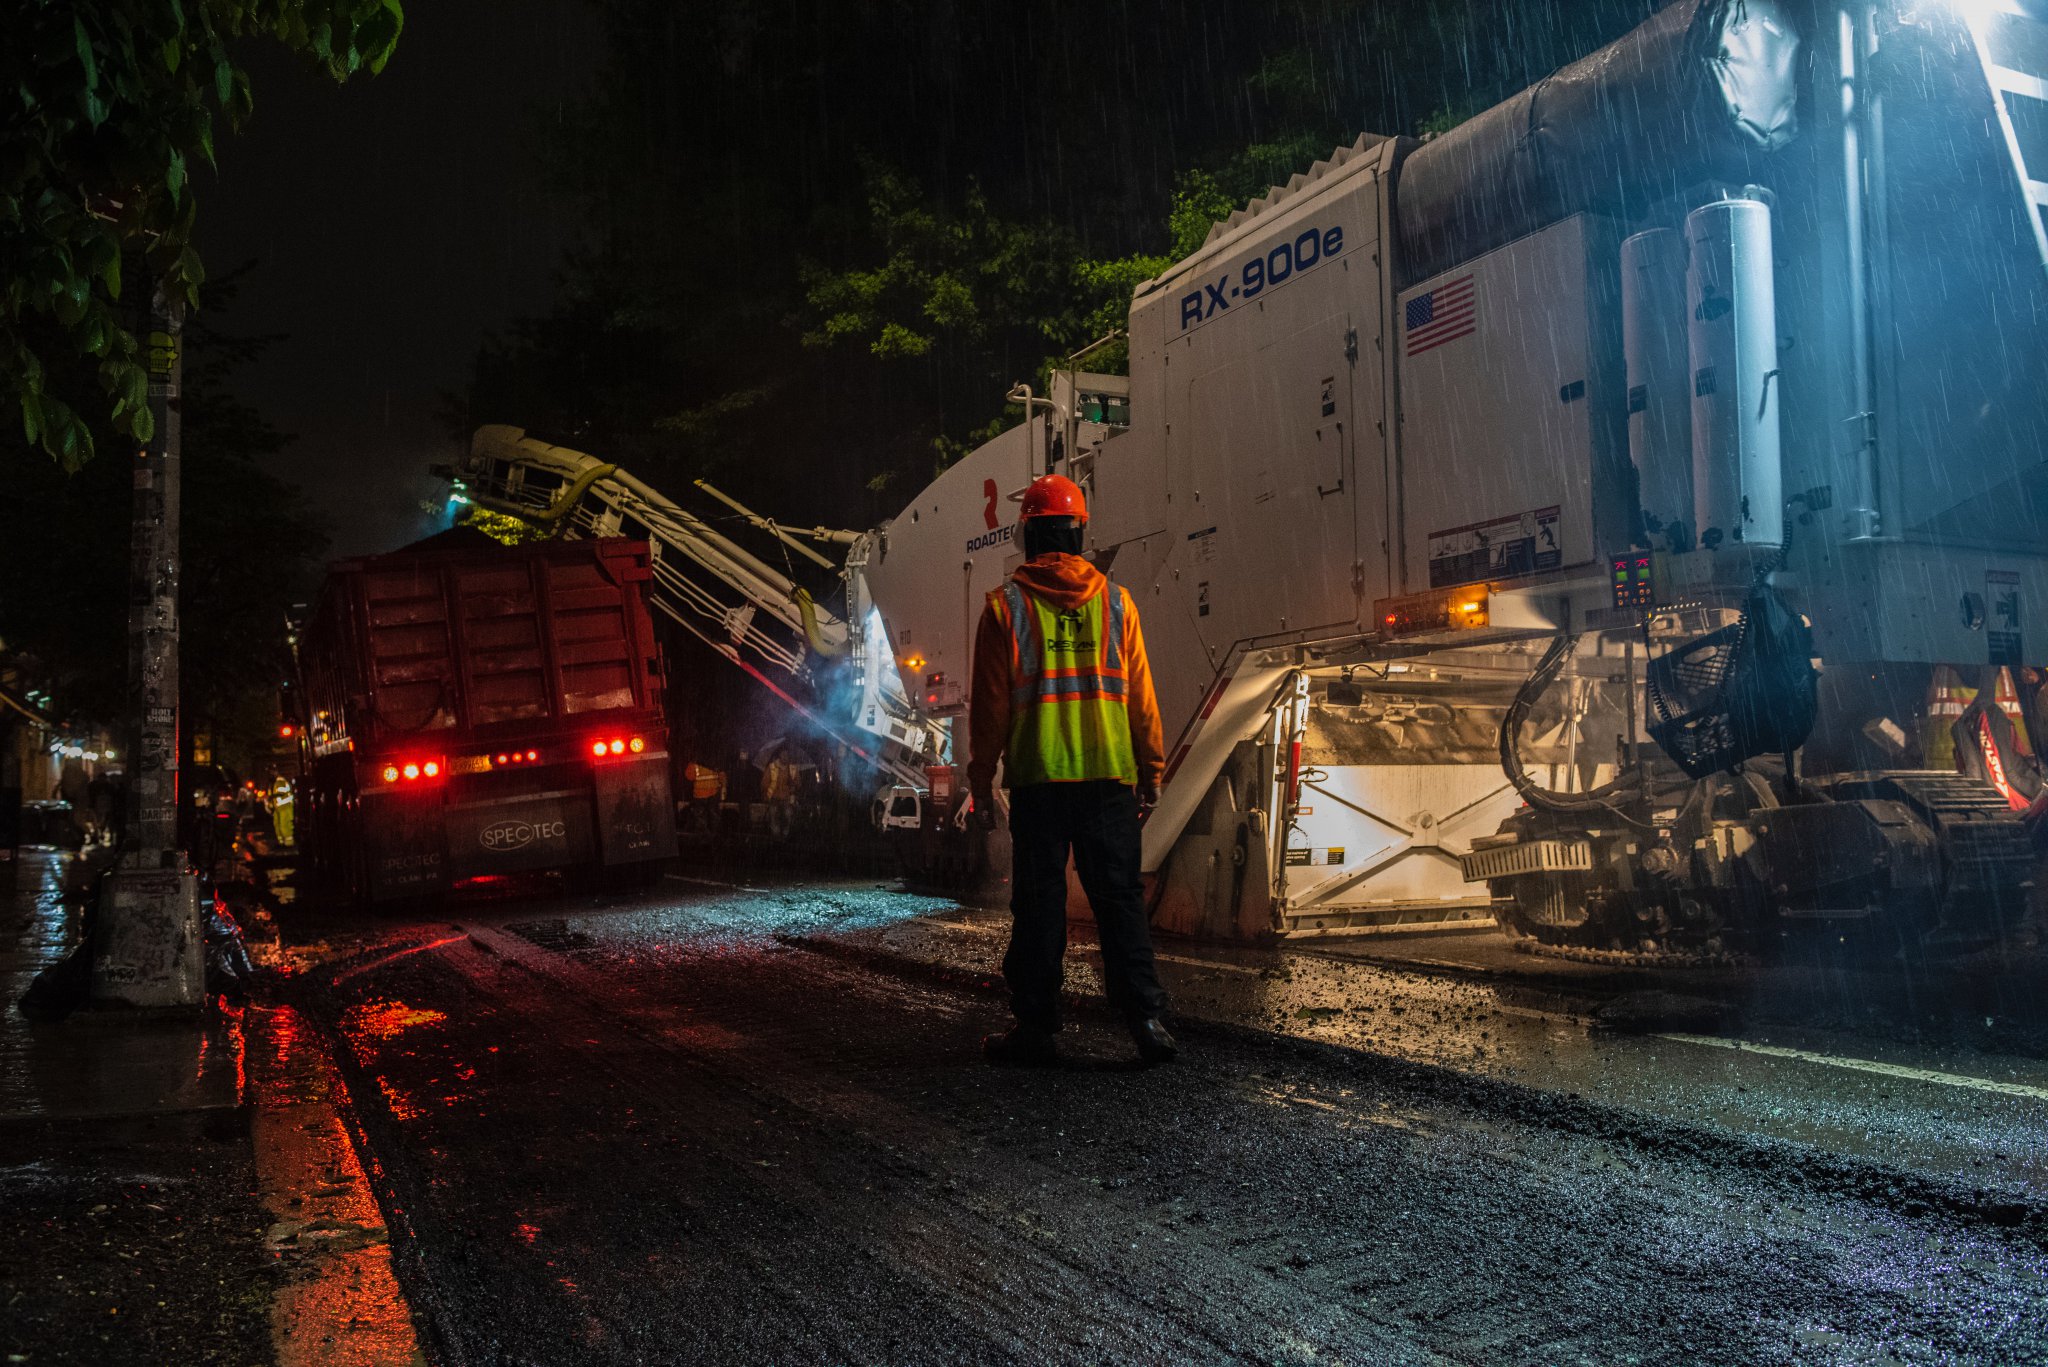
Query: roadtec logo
[505,836]
[999,537]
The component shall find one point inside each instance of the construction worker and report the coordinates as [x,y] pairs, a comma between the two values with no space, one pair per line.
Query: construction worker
[283,814]
[1063,698]
[707,790]
[778,790]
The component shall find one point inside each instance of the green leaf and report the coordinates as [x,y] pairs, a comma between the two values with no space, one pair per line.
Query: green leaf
[379,36]
[223,77]
[142,425]
[31,417]
[95,108]
[74,447]
[85,57]
[174,54]
[174,176]
[897,340]
[69,305]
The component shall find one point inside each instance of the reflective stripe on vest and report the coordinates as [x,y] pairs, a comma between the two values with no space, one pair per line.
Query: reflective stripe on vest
[1068,718]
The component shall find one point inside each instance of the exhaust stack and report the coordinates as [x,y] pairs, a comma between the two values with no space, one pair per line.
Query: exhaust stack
[1732,347]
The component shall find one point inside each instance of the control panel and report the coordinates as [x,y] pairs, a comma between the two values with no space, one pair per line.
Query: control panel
[1635,581]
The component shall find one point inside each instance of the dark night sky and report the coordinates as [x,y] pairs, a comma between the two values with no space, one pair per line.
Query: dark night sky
[394,222]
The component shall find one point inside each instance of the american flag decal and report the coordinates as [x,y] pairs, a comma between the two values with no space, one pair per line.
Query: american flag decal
[1441,315]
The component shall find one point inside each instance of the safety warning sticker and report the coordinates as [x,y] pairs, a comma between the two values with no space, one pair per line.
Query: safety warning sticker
[2002,623]
[1502,548]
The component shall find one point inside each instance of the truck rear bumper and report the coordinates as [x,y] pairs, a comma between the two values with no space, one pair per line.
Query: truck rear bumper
[626,815]
[545,830]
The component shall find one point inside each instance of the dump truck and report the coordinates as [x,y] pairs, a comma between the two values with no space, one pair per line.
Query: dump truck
[474,710]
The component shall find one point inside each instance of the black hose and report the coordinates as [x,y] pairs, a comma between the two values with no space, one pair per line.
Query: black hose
[1601,799]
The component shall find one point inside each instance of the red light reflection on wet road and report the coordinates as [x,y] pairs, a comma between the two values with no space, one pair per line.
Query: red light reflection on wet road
[386,1020]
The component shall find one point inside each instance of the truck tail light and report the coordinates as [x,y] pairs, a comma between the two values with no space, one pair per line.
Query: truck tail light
[412,770]
[506,758]
[607,746]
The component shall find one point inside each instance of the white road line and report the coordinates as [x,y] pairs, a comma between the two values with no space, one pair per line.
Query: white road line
[1864,1065]
[1207,963]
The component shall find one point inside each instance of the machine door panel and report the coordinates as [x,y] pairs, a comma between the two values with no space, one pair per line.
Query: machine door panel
[1272,549]
[1499,389]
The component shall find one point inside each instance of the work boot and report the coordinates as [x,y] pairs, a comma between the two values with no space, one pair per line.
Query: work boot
[1021,1046]
[1155,1045]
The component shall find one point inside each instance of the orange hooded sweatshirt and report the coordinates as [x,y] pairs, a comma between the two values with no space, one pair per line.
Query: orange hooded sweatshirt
[1065,581]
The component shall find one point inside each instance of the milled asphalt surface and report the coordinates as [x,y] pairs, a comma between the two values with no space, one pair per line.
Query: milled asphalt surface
[655,1132]
[1978,1118]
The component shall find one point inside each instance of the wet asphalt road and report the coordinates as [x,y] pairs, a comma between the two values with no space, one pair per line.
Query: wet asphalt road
[655,1134]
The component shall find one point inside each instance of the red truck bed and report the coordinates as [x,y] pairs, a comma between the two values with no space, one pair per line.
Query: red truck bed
[477,709]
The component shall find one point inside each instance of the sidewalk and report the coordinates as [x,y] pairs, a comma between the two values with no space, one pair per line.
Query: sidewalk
[175,1188]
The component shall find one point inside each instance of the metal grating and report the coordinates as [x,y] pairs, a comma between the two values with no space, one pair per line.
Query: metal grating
[1527,857]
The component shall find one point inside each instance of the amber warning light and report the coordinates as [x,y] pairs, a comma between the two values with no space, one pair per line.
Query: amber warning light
[1458,609]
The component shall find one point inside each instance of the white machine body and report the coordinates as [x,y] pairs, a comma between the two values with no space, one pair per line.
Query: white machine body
[1374,460]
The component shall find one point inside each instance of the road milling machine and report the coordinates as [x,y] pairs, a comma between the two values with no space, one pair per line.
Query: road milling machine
[1624,516]
[1572,518]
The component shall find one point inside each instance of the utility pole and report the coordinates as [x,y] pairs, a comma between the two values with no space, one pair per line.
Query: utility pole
[149,951]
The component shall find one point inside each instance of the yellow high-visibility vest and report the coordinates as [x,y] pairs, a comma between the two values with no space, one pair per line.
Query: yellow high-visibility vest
[1069,721]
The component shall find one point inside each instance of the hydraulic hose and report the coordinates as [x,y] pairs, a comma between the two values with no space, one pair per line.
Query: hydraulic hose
[807,608]
[555,516]
[1601,799]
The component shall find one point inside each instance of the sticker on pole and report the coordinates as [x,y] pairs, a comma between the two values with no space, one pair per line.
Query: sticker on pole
[2002,619]
[1501,548]
[161,355]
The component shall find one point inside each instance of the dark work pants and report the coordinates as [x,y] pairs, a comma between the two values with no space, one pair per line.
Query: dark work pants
[1098,822]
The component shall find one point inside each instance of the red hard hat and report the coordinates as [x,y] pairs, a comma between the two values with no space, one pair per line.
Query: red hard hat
[1054,496]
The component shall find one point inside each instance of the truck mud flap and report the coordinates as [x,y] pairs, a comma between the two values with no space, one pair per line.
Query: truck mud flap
[636,811]
[407,855]
[550,830]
